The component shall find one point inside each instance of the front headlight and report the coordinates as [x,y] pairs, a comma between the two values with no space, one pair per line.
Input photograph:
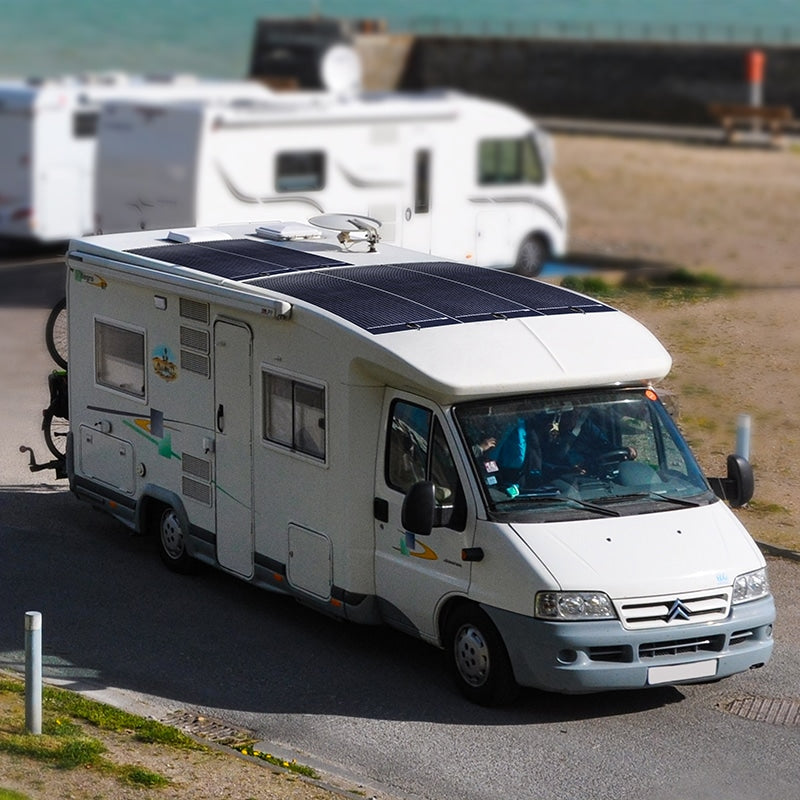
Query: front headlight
[574,606]
[751,586]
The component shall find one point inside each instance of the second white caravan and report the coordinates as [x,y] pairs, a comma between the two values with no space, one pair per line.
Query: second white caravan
[442,172]
[48,131]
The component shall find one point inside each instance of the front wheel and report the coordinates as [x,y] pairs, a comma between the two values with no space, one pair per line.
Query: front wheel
[532,256]
[172,541]
[478,658]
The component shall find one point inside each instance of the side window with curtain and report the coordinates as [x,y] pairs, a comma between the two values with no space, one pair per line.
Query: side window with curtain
[417,450]
[294,414]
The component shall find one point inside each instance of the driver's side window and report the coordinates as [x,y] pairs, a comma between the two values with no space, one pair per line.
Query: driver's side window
[417,451]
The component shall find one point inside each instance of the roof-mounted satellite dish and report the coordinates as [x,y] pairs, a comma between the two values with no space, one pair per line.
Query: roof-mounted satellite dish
[352,228]
[340,69]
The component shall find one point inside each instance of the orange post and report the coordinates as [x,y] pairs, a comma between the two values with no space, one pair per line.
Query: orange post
[756,60]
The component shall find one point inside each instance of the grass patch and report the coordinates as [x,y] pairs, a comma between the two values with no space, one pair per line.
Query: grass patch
[292,765]
[69,704]
[141,776]
[8,794]
[61,752]
[64,742]
[678,285]
[767,508]
[590,284]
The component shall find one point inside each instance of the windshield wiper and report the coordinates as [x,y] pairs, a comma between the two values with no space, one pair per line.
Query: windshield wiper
[558,498]
[665,498]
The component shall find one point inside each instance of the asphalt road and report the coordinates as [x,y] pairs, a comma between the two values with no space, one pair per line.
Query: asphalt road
[368,704]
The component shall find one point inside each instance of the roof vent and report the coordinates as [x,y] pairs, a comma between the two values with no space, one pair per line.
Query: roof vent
[278,231]
[187,235]
[352,228]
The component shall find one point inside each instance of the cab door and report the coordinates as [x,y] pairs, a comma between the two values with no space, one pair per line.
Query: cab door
[414,573]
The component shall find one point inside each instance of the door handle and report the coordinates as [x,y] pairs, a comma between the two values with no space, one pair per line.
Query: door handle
[220,418]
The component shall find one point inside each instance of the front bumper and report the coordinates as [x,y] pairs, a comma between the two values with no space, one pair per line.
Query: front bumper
[576,657]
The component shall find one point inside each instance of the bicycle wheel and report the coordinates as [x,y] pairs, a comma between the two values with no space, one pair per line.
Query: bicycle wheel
[55,430]
[56,335]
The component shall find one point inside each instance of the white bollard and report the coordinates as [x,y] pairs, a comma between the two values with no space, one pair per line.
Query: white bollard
[743,436]
[33,672]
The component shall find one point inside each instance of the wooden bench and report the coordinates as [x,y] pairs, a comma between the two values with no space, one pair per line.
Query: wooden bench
[735,117]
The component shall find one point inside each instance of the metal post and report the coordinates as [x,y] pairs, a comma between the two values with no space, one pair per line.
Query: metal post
[33,672]
[755,80]
[743,436]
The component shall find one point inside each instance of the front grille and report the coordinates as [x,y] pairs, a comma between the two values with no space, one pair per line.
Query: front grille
[672,611]
[703,644]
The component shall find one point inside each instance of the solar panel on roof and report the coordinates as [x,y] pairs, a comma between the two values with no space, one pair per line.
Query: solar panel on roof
[393,297]
[379,298]
[237,259]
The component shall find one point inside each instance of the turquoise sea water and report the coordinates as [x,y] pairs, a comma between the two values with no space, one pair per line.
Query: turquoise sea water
[213,37]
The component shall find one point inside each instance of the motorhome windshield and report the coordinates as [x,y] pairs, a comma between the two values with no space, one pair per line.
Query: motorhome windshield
[510,161]
[612,452]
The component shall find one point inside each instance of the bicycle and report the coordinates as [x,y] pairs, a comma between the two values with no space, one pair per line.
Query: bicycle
[56,334]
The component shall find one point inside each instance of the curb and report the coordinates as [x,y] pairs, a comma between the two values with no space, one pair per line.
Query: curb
[778,552]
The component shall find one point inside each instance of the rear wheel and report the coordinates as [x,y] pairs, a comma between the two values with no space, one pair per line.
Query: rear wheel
[172,540]
[532,256]
[56,335]
[478,658]
[56,430]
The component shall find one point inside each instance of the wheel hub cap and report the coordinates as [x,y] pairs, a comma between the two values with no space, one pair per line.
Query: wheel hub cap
[472,655]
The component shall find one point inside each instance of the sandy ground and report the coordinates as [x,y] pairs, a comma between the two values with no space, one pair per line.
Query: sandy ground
[731,212]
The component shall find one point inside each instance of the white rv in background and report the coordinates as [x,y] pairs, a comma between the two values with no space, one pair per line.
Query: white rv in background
[48,136]
[476,458]
[442,172]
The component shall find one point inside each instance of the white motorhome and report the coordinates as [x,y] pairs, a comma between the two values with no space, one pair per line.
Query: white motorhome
[48,132]
[443,172]
[476,458]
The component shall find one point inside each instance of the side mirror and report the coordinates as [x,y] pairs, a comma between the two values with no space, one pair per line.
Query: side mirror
[419,509]
[738,487]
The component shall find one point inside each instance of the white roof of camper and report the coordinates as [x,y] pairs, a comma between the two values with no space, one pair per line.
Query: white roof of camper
[454,330]
[299,106]
[99,87]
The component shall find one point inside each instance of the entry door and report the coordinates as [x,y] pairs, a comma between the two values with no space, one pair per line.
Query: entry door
[233,396]
[414,573]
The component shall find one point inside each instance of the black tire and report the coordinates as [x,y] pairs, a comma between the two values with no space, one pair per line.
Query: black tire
[532,256]
[478,659]
[172,540]
[56,430]
[56,334]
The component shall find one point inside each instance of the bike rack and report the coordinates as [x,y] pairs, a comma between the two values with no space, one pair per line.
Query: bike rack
[57,464]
